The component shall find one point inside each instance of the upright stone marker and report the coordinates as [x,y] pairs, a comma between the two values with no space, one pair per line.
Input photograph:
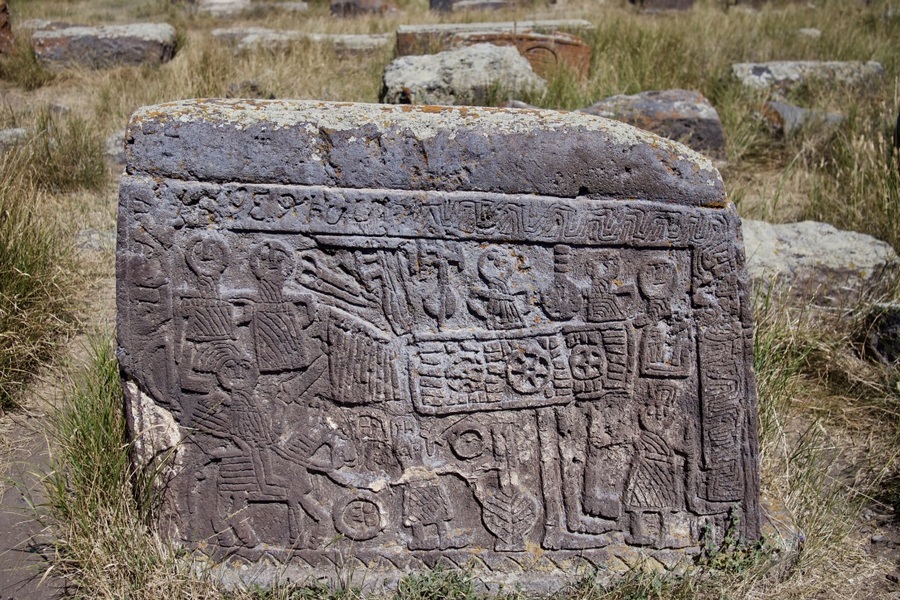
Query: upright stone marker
[384,338]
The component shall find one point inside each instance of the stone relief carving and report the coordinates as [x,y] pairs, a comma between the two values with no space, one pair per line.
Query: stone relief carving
[490,374]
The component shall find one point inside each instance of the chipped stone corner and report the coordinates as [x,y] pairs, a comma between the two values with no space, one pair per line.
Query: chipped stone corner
[156,438]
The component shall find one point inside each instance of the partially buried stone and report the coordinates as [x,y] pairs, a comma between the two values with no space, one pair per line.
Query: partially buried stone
[223,8]
[782,76]
[471,75]
[681,115]
[411,336]
[812,262]
[105,46]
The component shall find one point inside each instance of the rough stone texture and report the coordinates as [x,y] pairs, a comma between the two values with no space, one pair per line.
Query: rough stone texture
[545,52]
[654,5]
[784,118]
[681,115]
[253,38]
[7,42]
[781,76]
[816,262]
[352,8]
[426,39]
[105,46]
[394,337]
[810,32]
[465,76]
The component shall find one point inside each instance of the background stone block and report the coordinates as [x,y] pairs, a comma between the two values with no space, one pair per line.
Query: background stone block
[410,336]
[682,115]
[105,46]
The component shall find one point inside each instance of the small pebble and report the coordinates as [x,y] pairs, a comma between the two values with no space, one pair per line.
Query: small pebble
[878,539]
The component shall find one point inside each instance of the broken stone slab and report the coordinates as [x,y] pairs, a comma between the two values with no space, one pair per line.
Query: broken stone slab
[781,76]
[547,53]
[816,262]
[682,115]
[409,336]
[248,39]
[472,75]
[7,41]
[786,119]
[105,46]
[353,8]
[427,39]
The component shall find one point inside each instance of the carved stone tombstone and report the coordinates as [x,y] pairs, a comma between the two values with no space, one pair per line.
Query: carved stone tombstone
[394,337]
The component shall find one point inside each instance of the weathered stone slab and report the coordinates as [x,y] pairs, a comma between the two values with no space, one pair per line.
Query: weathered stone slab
[464,76]
[781,76]
[816,262]
[396,337]
[254,38]
[105,46]
[426,39]
[681,115]
[10,138]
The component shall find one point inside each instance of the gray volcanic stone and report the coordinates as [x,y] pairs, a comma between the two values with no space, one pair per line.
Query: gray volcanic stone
[816,262]
[397,337]
[783,75]
[681,115]
[352,8]
[105,46]
[467,75]
[462,5]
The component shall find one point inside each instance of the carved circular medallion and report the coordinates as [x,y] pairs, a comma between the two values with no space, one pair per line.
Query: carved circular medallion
[587,362]
[359,516]
[467,444]
[528,368]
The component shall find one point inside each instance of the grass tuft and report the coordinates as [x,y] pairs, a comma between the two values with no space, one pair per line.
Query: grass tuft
[34,279]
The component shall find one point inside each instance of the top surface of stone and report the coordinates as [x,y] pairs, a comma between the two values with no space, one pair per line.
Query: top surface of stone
[144,31]
[506,26]
[762,75]
[416,148]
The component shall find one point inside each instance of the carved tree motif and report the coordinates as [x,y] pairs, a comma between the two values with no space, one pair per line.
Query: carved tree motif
[509,514]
